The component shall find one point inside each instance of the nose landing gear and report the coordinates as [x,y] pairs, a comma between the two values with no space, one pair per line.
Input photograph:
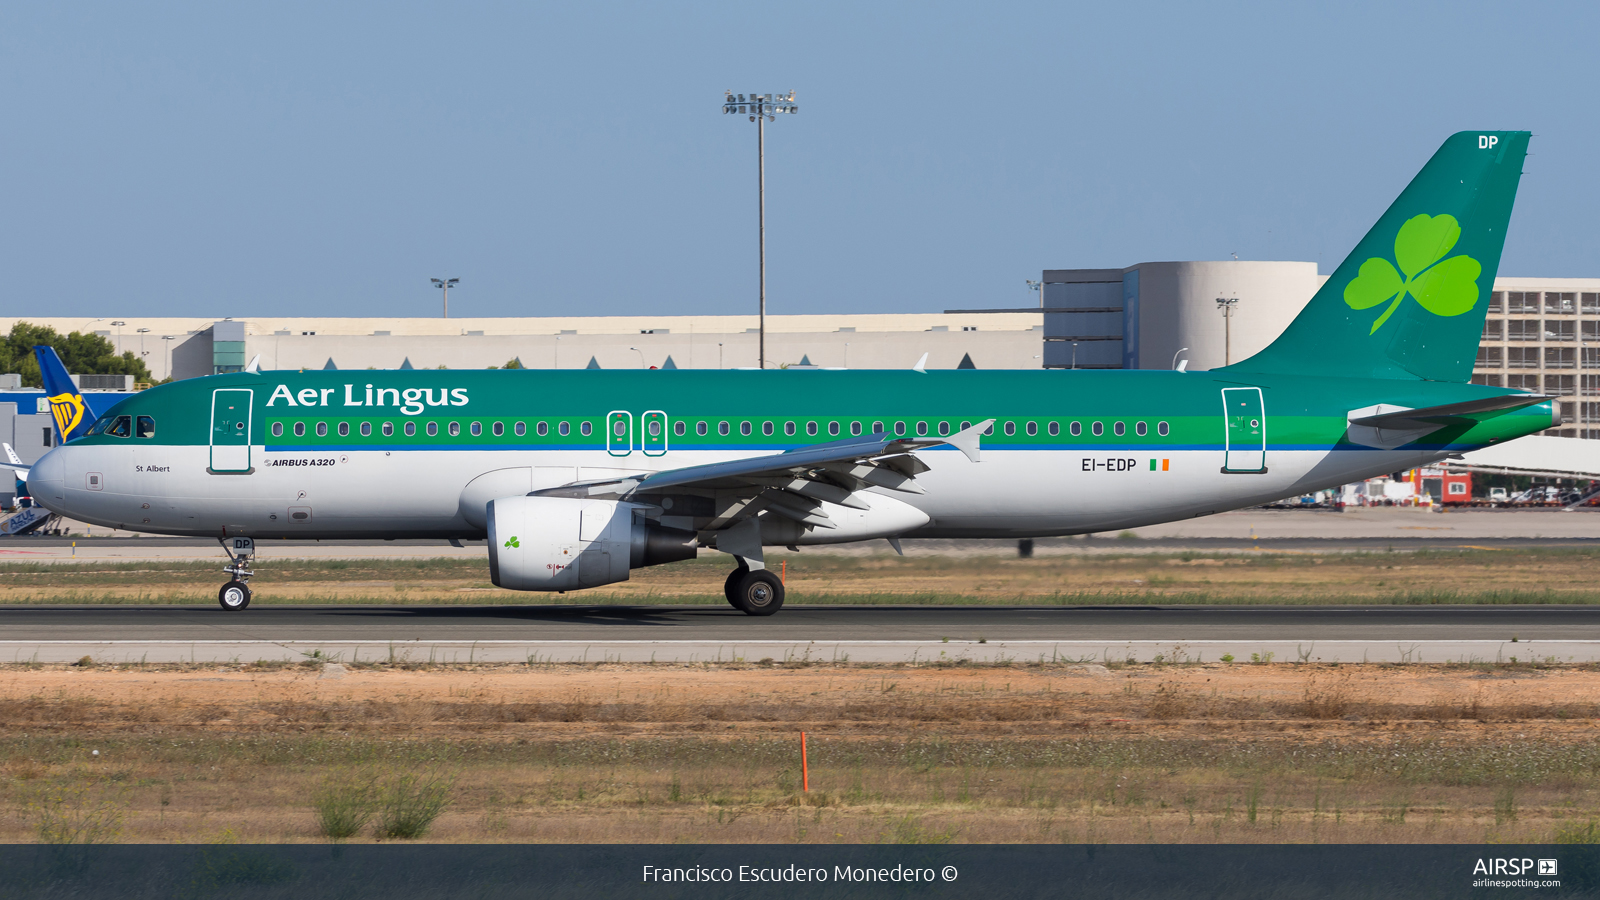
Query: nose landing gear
[235,595]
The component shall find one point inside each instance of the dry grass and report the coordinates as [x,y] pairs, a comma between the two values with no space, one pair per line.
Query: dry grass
[679,753]
[1528,575]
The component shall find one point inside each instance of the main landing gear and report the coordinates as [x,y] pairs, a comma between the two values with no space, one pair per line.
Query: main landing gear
[235,595]
[754,592]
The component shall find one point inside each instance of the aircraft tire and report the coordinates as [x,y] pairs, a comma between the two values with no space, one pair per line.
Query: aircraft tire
[234,596]
[732,584]
[759,593]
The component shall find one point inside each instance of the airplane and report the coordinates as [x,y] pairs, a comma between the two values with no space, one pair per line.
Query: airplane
[576,477]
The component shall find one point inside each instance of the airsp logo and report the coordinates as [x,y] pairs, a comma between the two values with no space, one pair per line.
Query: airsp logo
[1487,141]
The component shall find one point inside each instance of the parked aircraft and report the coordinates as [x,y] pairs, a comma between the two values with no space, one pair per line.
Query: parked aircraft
[577,477]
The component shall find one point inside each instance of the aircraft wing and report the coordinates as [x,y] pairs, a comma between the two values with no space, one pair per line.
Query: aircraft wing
[793,484]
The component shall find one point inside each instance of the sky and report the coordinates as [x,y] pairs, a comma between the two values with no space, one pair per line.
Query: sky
[292,159]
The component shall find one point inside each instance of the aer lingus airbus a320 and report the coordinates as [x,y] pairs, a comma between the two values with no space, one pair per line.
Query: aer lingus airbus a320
[576,477]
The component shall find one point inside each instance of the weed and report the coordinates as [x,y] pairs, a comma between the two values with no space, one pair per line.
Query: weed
[1505,805]
[78,813]
[910,830]
[409,804]
[343,805]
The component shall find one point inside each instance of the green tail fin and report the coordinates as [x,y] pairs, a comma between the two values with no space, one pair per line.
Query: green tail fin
[1409,302]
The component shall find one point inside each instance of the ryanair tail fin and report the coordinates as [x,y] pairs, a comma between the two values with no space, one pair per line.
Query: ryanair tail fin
[72,415]
[1409,302]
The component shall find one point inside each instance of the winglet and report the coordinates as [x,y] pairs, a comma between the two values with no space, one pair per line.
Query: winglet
[255,364]
[16,463]
[921,365]
[967,440]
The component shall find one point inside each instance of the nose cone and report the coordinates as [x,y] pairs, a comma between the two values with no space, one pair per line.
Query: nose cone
[47,480]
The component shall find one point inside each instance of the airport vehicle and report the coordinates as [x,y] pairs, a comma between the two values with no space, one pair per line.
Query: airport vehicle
[577,477]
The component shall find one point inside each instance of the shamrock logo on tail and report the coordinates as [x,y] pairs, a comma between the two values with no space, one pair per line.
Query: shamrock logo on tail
[512,541]
[1447,288]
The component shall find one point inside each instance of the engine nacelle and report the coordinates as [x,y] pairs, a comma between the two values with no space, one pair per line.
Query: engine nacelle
[561,544]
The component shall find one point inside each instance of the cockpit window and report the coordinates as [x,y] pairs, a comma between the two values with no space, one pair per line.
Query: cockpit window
[121,426]
[145,427]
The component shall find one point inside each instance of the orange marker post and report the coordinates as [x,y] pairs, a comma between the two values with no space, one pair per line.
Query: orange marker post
[783,578]
[805,770]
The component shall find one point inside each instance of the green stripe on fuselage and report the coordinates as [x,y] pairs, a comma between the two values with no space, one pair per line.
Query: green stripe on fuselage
[1301,412]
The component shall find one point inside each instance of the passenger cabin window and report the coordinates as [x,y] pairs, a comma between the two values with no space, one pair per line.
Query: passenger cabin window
[411,429]
[1119,429]
[144,427]
[1054,429]
[565,429]
[344,429]
[788,428]
[679,428]
[833,429]
[899,428]
[277,429]
[744,428]
[299,429]
[1076,429]
[388,429]
[877,428]
[701,428]
[766,428]
[944,428]
[1033,429]
[521,429]
[811,429]
[453,429]
[855,428]
[432,429]
[1161,429]
[1141,429]
[586,429]
[366,429]
[1099,428]
[498,429]
[541,429]
[1010,428]
[322,429]
[922,428]
[477,429]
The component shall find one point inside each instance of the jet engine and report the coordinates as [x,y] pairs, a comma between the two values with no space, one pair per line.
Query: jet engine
[562,544]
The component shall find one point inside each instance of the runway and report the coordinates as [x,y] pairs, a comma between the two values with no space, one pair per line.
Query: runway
[122,634]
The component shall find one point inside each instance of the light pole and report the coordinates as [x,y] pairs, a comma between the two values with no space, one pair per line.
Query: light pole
[1176,355]
[444,284]
[142,353]
[119,323]
[168,339]
[1037,286]
[642,363]
[1227,306]
[1074,354]
[761,108]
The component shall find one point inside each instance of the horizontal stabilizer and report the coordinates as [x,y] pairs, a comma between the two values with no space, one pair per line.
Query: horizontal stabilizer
[1449,413]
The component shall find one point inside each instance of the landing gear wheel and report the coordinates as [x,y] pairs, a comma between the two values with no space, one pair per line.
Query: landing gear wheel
[732,584]
[234,596]
[758,593]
